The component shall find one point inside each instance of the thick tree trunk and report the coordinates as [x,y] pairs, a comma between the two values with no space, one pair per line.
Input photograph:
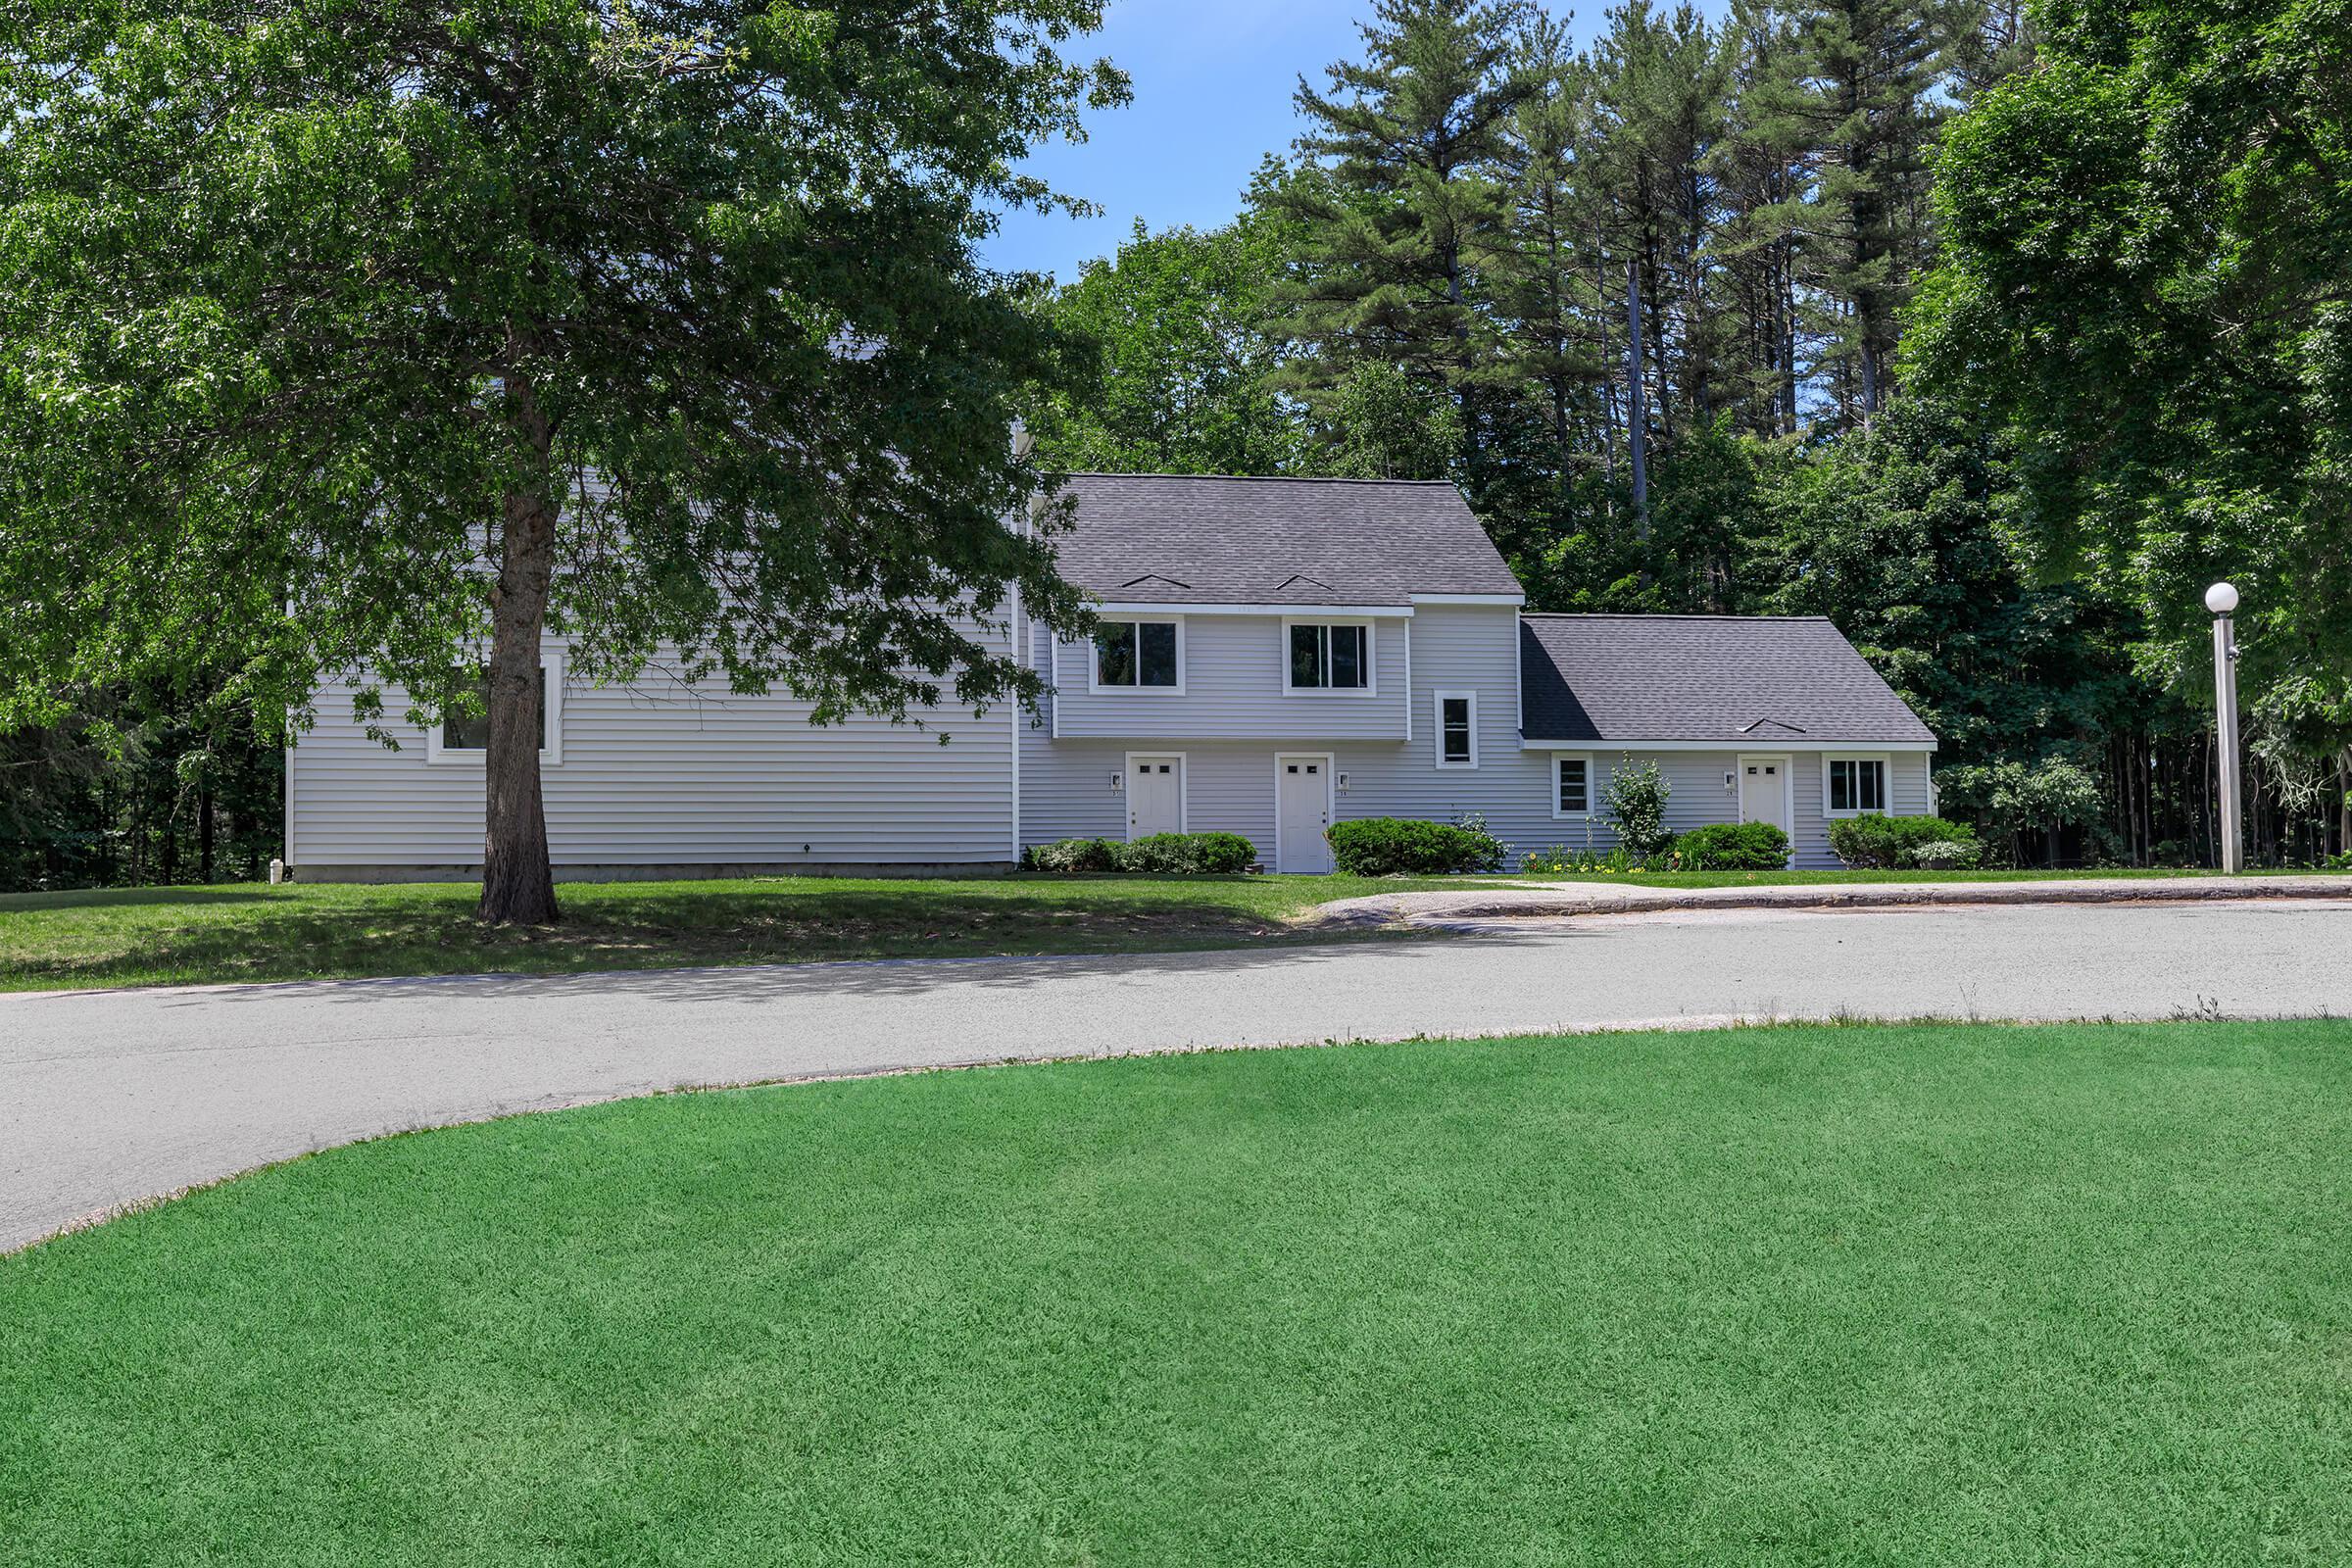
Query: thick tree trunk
[518,884]
[1636,416]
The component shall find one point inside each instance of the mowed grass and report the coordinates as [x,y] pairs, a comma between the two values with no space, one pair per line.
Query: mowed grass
[1960,1294]
[1738,879]
[192,935]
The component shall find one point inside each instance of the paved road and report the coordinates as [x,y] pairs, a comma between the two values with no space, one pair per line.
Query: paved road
[111,1097]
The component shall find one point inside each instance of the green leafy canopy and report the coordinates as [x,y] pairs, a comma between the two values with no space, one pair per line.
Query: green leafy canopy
[309,310]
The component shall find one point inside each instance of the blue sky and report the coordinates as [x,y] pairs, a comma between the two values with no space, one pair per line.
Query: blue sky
[1214,81]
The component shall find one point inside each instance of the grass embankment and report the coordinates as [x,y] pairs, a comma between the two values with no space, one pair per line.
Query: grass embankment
[1912,1295]
[161,935]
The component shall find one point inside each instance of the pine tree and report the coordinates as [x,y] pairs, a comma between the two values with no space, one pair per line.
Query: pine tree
[1399,205]
[1867,101]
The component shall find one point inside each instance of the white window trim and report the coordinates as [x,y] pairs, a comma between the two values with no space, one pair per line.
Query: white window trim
[1331,797]
[1886,806]
[551,661]
[1184,781]
[1438,701]
[1371,685]
[1592,785]
[1094,660]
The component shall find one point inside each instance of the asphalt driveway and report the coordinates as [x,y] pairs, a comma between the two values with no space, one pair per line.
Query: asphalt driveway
[108,1098]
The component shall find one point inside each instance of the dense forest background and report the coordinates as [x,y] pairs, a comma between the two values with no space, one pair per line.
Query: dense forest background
[1993,338]
[1681,315]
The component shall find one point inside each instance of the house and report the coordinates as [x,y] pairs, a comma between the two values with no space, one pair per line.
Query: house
[1275,654]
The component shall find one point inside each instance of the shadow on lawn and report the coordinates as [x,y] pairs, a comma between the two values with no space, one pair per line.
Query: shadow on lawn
[756,983]
[617,928]
[135,898]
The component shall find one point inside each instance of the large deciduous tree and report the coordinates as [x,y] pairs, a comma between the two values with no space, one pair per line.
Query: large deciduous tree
[386,337]
[2146,247]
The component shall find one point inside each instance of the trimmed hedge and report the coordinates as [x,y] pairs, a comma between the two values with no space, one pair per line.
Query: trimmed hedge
[1076,855]
[1874,842]
[1189,854]
[1180,854]
[1399,846]
[1732,846]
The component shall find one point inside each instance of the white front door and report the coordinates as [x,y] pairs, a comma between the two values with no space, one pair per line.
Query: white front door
[1154,796]
[1301,812]
[1764,792]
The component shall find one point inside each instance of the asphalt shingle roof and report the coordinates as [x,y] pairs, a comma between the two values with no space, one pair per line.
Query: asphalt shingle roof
[1162,538]
[1742,679]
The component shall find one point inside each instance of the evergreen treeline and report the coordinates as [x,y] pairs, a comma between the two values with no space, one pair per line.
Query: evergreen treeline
[1647,302]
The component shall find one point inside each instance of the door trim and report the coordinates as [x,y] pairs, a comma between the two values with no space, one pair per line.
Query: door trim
[1183,792]
[1788,789]
[1330,796]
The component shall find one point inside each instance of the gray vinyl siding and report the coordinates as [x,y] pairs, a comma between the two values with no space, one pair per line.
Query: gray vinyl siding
[1229,782]
[656,773]
[1233,688]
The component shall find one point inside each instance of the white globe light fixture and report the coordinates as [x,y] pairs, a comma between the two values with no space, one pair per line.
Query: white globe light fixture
[2222,598]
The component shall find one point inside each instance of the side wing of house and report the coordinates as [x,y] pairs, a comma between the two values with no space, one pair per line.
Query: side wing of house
[1748,719]
[660,777]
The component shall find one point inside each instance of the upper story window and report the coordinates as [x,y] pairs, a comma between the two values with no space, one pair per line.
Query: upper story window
[1138,656]
[1853,785]
[1328,656]
[1457,729]
[466,737]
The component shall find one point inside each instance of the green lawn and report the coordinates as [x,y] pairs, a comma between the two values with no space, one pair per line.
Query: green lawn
[1805,1296]
[1740,879]
[154,936]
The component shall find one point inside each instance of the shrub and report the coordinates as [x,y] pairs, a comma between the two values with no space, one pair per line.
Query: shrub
[1561,862]
[1947,854]
[1893,842]
[1075,855]
[1397,846]
[1732,846]
[1637,801]
[1188,853]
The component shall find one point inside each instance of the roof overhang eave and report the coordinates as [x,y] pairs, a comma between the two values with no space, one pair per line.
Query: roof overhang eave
[1738,743]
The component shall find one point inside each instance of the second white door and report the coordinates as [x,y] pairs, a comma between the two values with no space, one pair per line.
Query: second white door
[1302,807]
[1764,792]
[1154,796]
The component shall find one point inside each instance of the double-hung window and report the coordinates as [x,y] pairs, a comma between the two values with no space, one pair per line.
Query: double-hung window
[1853,785]
[1457,729]
[1138,656]
[1329,657]
[1570,786]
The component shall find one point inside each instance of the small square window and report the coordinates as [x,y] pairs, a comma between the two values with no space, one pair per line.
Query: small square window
[1330,657]
[471,732]
[1141,653]
[1857,784]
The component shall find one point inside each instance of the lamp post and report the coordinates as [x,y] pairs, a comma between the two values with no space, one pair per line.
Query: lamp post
[2221,600]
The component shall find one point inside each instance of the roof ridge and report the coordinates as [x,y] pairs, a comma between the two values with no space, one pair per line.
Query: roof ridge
[1246,478]
[1649,614]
